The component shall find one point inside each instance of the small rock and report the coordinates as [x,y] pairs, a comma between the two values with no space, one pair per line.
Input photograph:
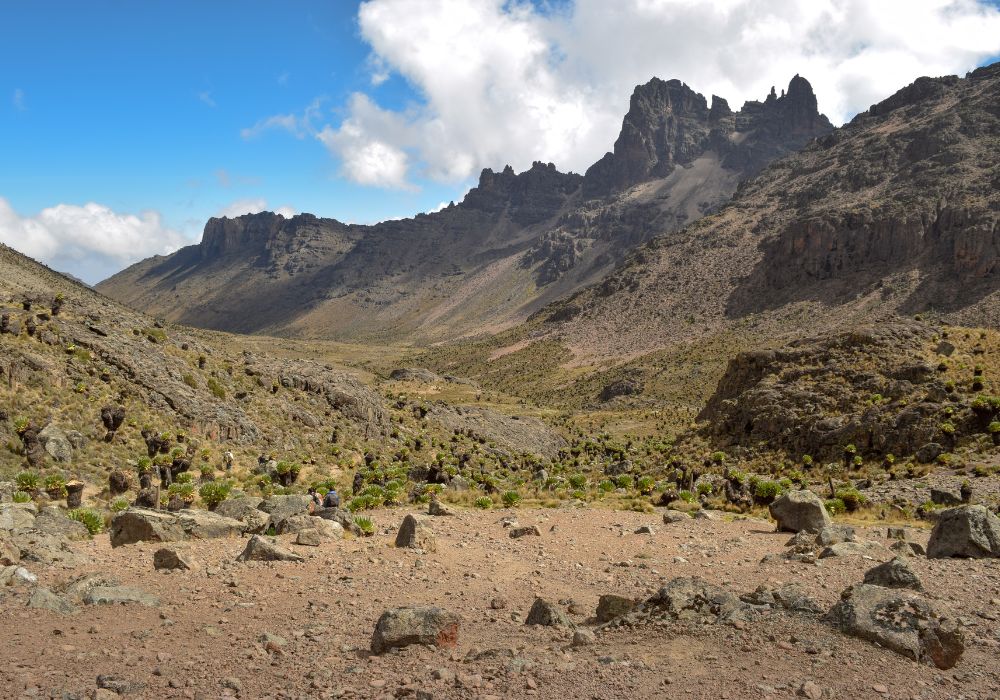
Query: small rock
[261,549]
[583,638]
[171,559]
[893,574]
[547,614]
[517,532]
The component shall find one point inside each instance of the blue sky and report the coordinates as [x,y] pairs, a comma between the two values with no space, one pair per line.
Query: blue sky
[125,125]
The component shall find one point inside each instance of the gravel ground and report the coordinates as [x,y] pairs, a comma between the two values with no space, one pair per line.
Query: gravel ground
[204,639]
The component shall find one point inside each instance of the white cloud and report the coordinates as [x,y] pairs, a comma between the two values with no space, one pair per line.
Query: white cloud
[18,100]
[299,126]
[502,82]
[89,241]
[252,206]
[206,97]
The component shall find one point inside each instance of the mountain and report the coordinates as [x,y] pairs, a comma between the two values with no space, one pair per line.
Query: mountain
[517,241]
[896,213]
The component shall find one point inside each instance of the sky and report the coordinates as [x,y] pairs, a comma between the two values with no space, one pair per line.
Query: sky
[125,125]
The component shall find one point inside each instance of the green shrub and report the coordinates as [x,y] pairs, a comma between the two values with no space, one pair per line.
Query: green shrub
[365,524]
[624,481]
[27,481]
[718,457]
[835,506]
[852,498]
[22,497]
[55,485]
[183,489]
[484,502]
[606,486]
[686,496]
[807,461]
[155,335]
[218,391]
[119,504]
[645,485]
[948,428]
[704,488]
[767,491]
[185,478]
[994,427]
[93,520]
[190,381]
[577,481]
[214,492]
[510,499]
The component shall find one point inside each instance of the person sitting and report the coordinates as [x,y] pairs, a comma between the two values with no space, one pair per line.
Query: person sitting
[314,500]
[331,500]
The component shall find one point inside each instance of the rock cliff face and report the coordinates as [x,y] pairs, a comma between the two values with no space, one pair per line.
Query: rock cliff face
[668,124]
[515,243]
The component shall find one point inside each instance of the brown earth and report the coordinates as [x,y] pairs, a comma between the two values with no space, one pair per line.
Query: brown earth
[207,632]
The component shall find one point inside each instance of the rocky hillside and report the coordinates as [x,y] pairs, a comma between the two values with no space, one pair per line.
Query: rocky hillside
[895,213]
[515,243]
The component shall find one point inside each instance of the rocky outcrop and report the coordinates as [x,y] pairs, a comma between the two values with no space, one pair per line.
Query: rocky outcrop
[799,511]
[966,531]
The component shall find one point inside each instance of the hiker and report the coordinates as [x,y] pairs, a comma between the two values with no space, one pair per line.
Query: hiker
[331,500]
[314,500]
[227,459]
[359,482]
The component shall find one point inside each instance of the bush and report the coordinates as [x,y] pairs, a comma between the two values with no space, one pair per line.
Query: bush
[645,485]
[704,488]
[22,497]
[994,428]
[119,504]
[55,485]
[184,490]
[185,478]
[27,481]
[767,491]
[852,499]
[718,457]
[214,492]
[93,520]
[511,499]
[686,496]
[624,481]
[365,524]
[577,481]
[606,486]
[484,502]
[834,506]
[218,391]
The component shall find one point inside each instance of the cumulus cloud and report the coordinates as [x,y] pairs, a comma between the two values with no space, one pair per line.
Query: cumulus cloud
[90,241]
[502,81]
[252,206]
[18,100]
[298,125]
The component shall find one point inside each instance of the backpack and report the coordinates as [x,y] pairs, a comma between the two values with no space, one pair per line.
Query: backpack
[332,500]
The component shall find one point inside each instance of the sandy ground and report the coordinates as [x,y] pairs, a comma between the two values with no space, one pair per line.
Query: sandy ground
[204,640]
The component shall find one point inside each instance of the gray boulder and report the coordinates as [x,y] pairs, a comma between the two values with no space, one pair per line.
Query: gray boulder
[835,534]
[674,516]
[547,614]
[799,510]
[47,549]
[56,442]
[401,627]
[44,599]
[901,621]
[254,520]
[17,516]
[696,599]
[144,525]
[280,508]
[170,559]
[53,521]
[416,533]
[263,549]
[966,531]
[895,573]
[206,525]
[853,549]
[327,529]
[610,606]
[118,595]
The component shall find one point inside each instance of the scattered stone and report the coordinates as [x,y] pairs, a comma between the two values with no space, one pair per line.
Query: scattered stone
[896,533]
[610,606]
[438,509]
[835,534]
[498,604]
[789,597]
[893,574]
[526,530]
[644,530]
[674,516]
[547,614]
[416,533]
[799,510]
[810,690]
[44,599]
[908,548]
[309,538]
[852,549]
[401,627]
[171,559]
[583,638]
[113,595]
[966,531]
[696,599]
[119,686]
[903,622]
[262,549]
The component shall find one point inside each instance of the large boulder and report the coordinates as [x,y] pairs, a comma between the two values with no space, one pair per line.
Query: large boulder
[53,521]
[966,531]
[400,627]
[170,559]
[9,553]
[42,548]
[327,529]
[901,621]
[610,606]
[16,516]
[895,573]
[280,508]
[416,533]
[799,510]
[547,614]
[144,525]
[56,442]
[255,521]
[341,516]
[264,549]
[696,599]
[206,525]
